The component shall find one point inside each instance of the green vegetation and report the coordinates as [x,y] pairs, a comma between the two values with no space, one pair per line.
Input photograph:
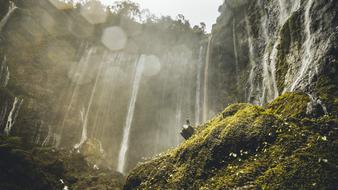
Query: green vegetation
[250,147]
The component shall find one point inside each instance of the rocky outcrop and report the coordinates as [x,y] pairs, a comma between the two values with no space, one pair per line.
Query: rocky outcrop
[41,168]
[250,147]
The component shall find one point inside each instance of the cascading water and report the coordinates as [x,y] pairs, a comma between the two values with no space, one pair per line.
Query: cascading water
[198,87]
[253,64]
[178,114]
[307,58]
[285,14]
[38,131]
[77,75]
[84,135]
[48,137]
[270,89]
[130,114]
[13,114]
[234,37]
[3,112]
[206,82]
[11,9]
[4,73]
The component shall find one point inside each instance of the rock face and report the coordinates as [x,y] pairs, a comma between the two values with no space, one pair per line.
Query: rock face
[250,147]
[73,83]
[39,169]
[261,49]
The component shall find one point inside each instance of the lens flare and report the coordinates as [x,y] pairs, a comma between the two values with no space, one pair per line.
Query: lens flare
[114,38]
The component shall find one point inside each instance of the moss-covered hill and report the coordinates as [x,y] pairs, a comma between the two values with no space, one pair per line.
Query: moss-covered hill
[250,147]
[25,168]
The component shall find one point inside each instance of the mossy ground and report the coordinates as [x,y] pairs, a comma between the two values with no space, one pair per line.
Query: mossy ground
[250,147]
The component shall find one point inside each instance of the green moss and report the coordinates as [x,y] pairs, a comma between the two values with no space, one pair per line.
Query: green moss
[249,147]
[290,105]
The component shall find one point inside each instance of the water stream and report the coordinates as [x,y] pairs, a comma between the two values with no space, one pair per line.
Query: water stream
[13,114]
[198,87]
[308,56]
[130,115]
[4,73]
[206,82]
[4,20]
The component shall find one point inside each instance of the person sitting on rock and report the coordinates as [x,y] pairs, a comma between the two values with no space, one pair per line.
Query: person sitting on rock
[187,130]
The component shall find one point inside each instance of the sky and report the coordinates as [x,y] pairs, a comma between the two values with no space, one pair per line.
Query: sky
[195,11]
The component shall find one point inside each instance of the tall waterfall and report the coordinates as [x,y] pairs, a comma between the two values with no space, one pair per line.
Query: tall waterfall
[253,64]
[307,58]
[206,82]
[77,75]
[84,135]
[269,86]
[270,90]
[48,137]
[130,115]
[4,73]
[13,114]
[234,37]
[3,22]
[269,59]
[198,87]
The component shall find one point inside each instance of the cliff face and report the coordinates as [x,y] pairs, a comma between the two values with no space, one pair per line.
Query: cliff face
[63,80]
[261,49]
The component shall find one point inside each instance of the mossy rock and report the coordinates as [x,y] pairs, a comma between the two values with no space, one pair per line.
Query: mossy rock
[290,105]
[250,147]
[43,168]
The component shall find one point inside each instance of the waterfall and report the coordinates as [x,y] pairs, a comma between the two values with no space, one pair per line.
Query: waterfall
[234,37]
[307,58]
[267,83]
[3,112]
[84,135]
[4,73]
[270,90]
[4,20]
[178,118]
[78,75]
[206,82]
[37,136]
[198,87]
[283,11]
[13,114]
[48,137]
[252,61]
[130,114]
